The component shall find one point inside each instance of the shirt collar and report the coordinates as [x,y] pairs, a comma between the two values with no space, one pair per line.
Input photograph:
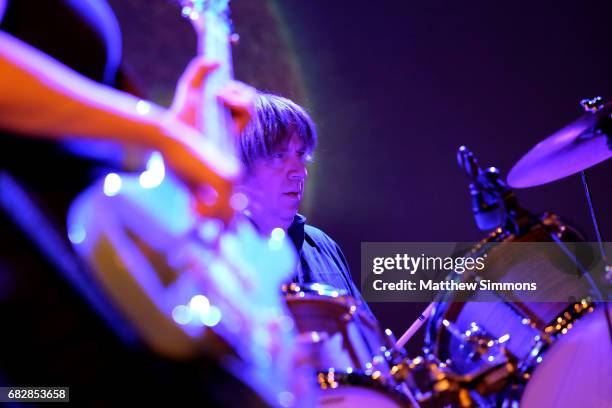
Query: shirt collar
[296,231]
[298,235]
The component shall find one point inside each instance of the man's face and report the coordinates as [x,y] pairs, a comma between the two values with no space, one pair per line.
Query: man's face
[275,185]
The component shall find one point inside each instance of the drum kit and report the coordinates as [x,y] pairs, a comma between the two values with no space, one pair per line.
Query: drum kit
[511,353]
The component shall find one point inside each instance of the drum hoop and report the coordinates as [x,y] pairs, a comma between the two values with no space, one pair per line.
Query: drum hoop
[332,379]
[318,292]
[319,289]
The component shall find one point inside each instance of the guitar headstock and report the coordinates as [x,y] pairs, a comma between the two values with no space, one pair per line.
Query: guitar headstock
[195,9]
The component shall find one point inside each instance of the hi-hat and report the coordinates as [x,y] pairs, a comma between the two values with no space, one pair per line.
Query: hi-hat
[578,146]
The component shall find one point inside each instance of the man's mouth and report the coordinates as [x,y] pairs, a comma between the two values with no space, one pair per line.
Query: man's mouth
[293,194]
[294,191]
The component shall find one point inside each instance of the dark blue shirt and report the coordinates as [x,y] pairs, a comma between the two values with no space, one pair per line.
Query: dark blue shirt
[321,259]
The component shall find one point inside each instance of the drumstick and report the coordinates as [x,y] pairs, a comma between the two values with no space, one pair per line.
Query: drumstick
[415,326]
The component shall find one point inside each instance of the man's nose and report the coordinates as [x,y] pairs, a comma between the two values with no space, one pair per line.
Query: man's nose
[297,169]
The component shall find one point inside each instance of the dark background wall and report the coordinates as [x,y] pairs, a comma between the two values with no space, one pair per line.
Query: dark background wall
[395,88]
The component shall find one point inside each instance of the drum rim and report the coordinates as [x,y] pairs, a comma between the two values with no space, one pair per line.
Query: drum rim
[363,379]
[314,288]
[319,292]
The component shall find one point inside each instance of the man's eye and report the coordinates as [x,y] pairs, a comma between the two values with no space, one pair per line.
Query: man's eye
[277,155]
[305,156]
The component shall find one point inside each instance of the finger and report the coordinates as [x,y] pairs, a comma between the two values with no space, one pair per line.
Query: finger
[188,90]
[237,94]
[196,71]
[240,117]
[239,99]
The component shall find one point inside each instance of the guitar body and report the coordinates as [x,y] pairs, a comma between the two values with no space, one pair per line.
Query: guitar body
[152,255]
[125,238]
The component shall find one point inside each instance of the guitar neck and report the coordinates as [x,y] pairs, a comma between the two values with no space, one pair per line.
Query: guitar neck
[213,118]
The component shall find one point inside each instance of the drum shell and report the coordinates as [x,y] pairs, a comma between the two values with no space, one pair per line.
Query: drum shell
[524,322]
[577,369]
[357,341]
[346,348]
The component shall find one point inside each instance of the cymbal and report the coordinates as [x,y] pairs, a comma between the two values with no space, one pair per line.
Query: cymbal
[578,146]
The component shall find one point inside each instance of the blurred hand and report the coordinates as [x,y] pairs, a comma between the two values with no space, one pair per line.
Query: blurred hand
[211,191]
[237,97]
[209,173]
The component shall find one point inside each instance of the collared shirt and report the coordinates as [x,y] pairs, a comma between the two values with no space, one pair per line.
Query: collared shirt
[321,260]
